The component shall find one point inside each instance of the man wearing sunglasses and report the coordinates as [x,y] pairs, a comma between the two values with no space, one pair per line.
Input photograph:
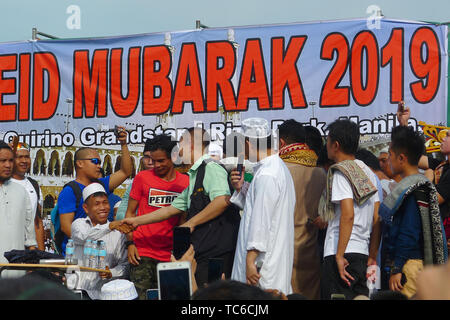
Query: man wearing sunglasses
[87,163]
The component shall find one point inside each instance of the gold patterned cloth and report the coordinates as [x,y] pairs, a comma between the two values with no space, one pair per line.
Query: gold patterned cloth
[298,153]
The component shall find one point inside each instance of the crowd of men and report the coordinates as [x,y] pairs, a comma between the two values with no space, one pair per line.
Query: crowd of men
[323,220]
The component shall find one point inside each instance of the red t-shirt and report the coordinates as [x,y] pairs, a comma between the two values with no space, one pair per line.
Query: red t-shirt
[156,240]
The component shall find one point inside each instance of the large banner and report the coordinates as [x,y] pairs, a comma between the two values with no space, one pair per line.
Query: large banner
[59,93]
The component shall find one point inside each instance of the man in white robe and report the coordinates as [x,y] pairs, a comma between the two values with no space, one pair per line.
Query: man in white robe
[265,246]
[16,215]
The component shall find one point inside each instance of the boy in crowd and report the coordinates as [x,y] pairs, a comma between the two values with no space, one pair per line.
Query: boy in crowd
[415,232]
[351,208]
[96,227]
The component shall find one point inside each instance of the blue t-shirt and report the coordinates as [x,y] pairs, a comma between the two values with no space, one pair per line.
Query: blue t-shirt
[67,203]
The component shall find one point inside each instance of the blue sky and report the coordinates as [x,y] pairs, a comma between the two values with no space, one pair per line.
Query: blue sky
[97,18]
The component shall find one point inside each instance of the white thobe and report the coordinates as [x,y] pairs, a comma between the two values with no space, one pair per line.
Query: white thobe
[31,193]
[16,222]
[267,224]
[116,257]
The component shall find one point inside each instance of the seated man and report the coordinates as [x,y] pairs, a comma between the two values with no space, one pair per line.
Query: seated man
[96,227]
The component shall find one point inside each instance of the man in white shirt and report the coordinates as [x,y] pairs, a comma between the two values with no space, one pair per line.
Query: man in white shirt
[265,246]
[22,164]
[353,234]
[96,227]
[16,217]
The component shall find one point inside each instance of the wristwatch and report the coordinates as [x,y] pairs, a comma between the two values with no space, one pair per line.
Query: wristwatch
[395,270]
[129,243]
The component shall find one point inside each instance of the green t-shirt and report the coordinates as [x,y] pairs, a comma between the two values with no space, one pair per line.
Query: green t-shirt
[215,183]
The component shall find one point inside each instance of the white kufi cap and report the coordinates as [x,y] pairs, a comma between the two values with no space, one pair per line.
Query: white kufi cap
[256,128]
[91,189]
[119,289]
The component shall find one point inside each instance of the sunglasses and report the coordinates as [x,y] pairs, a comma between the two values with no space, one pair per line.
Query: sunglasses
[23,146]
[95,161]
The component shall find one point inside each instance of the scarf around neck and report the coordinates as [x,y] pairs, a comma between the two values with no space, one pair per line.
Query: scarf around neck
[298,153]
[361,185]
[425,194]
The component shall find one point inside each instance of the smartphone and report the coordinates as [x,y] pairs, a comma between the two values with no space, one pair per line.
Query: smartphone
[152,294]
[181,241]
[116,131]
[174,280]
[215,269]
[259,265]
[337,296]
[240,164]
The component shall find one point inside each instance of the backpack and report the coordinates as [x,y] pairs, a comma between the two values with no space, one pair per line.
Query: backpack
[58,234]
[219,235]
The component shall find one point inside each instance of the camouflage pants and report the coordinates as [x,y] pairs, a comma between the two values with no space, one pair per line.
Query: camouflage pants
[144,276]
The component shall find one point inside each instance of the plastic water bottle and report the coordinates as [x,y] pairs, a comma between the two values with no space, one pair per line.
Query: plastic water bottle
[70,247]
[101,255]
[93,256]
[87,252]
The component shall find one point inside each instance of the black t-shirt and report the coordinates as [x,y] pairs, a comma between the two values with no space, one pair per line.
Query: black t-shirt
[433,162]
[443,187]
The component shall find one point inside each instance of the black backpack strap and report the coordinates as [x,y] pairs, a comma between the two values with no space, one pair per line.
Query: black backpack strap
[35,186]
[198,186]
[76,190]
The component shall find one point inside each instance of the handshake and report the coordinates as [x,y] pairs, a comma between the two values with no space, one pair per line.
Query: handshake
[125,226]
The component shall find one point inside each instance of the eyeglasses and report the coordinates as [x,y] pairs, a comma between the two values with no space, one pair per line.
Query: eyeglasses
[95,161]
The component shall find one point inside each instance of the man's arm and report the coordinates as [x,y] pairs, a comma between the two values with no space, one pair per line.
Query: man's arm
[212,210]
[215,184]
[252,273]
[156,216]
[30,234]
[375,236]
[121,266]
[66,220]
[345,231]
[126,165]
[133,254]
[407,241]
[39,230]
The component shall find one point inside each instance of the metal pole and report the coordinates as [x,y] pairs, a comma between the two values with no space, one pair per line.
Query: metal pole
[199,25]
[35,32]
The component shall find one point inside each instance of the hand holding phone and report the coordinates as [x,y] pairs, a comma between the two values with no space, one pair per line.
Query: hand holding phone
[174,280]
[240,165]
[116,131]
[152,294]
[403,114]
[401,106]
